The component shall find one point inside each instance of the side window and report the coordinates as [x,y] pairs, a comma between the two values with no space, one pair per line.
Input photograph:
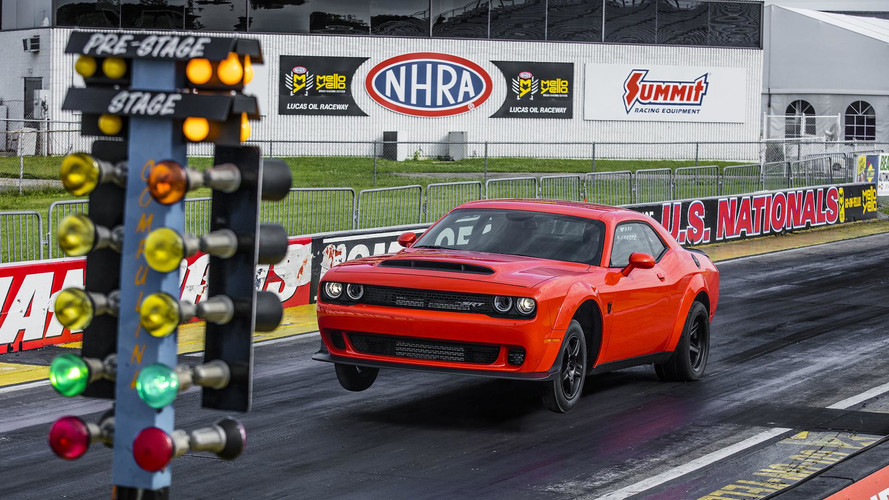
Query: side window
[655,243]
[634,237]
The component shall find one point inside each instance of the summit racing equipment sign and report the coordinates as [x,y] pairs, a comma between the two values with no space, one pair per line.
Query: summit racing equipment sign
[428,84]
[664,93]
[709,220]
[318,86]
[536,90]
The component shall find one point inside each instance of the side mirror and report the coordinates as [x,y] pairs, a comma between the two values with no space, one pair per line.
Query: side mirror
[640,260]
[407,239]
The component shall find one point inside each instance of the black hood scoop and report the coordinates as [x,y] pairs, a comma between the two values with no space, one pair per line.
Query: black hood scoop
[435,265]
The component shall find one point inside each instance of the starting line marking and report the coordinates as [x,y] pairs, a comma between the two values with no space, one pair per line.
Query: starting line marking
[699,463]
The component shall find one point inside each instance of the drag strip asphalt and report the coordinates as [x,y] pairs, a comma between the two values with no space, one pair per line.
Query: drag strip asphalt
[796,382]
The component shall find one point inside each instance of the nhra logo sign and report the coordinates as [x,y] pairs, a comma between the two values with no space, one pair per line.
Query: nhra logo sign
[428,84]
[639,90]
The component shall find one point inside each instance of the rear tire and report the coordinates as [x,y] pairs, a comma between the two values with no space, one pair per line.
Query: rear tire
[562,394]
[355,378]
[689,360]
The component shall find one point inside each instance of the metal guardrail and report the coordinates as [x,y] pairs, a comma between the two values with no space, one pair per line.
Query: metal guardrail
[561,187]
[315,210]
[511,187]
[443,196]
[23,233]
[397,206]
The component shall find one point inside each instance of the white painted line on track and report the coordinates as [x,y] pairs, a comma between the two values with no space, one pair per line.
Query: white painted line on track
[21,387]
[699,463]
[864,396]
[694,465]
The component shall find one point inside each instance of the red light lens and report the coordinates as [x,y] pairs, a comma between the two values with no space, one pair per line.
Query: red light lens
[153,449]
[69,437]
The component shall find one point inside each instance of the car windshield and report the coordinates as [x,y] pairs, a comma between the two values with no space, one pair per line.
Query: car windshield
[518,232]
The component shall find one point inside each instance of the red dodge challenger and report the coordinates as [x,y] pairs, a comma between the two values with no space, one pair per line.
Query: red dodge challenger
[546,291]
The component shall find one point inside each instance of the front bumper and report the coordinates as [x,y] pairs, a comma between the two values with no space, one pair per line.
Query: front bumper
[340,324]
[324,355]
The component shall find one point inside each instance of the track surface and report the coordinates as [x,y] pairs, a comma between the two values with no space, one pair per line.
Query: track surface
[795,332]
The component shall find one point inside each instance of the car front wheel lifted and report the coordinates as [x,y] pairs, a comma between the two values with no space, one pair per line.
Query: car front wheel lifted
[355,378]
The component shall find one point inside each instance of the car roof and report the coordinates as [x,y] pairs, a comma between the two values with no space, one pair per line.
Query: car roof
[576,208]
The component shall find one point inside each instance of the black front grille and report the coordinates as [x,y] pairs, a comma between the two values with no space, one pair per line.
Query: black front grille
[413,298]
[436,350]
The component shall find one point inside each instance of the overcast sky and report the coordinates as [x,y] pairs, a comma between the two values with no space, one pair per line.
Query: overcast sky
[872,5]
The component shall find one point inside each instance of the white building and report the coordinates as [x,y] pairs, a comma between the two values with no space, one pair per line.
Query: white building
[572,71]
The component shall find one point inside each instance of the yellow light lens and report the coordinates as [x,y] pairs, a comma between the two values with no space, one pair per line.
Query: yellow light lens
[79,173]
[248,70]
[245,128]
[85,66]
[195,128]
[199,71]
[110,124]
[76,235]
[167,182]
[230,70]
[164,250]
[159,314]
[114,67]
[74,309]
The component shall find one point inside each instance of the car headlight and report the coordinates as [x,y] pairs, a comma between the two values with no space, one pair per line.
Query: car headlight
[354,291]
[333,289]
[525,305]
[502,304]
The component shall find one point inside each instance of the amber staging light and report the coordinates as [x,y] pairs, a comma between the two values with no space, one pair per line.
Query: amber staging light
[230,71]
[195,128]
[167,182]
[85,66]
[199,71]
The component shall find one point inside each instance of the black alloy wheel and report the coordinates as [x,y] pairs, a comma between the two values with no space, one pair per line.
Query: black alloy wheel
[689,360]
[562,393]
[355,378]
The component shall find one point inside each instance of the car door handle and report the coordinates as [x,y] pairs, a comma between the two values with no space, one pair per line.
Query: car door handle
[661,276]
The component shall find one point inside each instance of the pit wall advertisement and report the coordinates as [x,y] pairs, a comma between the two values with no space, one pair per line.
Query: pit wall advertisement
[27,290]
[664,93]
[874,168]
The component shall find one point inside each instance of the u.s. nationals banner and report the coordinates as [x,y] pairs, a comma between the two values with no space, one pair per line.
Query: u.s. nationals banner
[645,92]
[28,291]
[711,220]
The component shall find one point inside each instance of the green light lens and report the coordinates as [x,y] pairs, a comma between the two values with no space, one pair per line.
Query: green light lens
[157,385]
[79,173]
[74,309]
[159,314]
[69,374]
[164,250]
[77,235]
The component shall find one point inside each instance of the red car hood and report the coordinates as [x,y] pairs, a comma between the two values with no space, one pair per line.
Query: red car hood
[471,266]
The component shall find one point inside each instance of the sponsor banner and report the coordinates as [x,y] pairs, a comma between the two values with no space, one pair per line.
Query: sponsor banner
[318,86]
[874,168]
[335,248]
[711,220]
[28,291]
[428,84]
[664,93]
[537,90]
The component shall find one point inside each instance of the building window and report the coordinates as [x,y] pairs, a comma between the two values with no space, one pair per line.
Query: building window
[518,19]
[860,122]
[574,20]
[460,18]
[799,119]
[630,21]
